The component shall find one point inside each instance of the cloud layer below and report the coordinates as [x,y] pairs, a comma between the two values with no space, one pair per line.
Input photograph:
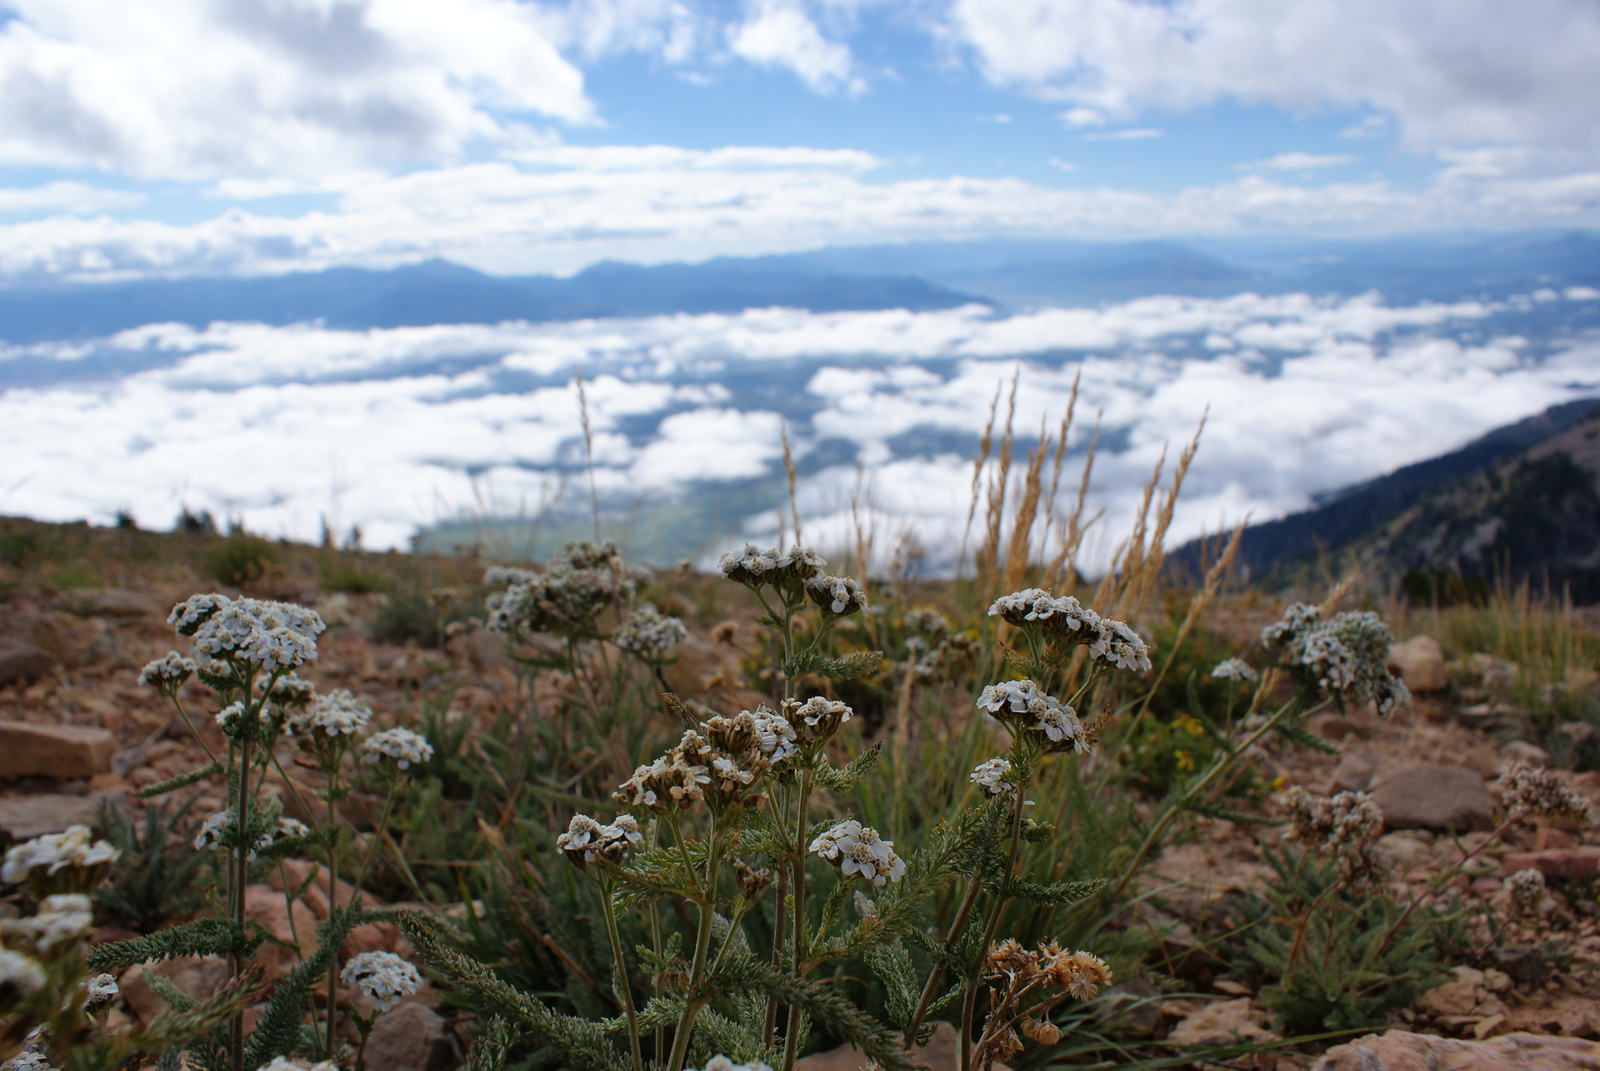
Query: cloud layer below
[395,429]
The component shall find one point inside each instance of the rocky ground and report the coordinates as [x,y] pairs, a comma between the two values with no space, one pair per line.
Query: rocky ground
[77,732]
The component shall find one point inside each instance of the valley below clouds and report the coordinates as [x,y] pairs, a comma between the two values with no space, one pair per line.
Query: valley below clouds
[400,430]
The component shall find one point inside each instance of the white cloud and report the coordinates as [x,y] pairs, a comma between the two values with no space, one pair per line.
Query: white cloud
[1303,161]
[779,33]
[281,425]
[1142,133]
[77,198]
[272,87]
[560,208]
[1083,117]
[1454,72]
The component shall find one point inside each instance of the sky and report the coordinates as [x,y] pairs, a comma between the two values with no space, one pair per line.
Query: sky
[202,136]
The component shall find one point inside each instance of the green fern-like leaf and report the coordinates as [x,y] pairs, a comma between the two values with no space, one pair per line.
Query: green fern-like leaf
[1053,894]
[183,780]
[198,937]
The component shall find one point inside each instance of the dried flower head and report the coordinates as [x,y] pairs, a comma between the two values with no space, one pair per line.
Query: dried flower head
[383,976]
[1343,826]
[858,849]
[59,862]
[587,841]
[1528,791]
[1234,669]
[399,746]
[1081,974]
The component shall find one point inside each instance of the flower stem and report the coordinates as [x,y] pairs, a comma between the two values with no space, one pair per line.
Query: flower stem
[791,1037]
[702,947]
[619,975]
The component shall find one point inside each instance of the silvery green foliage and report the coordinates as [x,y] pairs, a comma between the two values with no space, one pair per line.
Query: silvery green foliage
[1344,657]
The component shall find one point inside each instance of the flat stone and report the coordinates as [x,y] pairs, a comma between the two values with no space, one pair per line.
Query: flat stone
[1556,862]
[1353,774]
[1519,963]
[120,602]
[411,1037]
[25,817]
[23,662]
[1419,662]
[1227,1022]
[60,751]
[1400,1050]
[1532,754]
[1435,797]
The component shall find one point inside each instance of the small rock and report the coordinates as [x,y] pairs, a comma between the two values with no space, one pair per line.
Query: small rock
[941,1053]
[120,602]
[23,663]
[1548,837]
[1496,981]
[1520,963]
[1420,663]
[1336,727]
[1489,1026]
[411,1037]
[1460,997]
[25,817]
[1225,1023]
[1493,672]
[1353,774]
[1481,715]
[60,751]
[199,977]
[1556,862]
[1435,797]
[1400,1050]
[1522,751]
[1404,848]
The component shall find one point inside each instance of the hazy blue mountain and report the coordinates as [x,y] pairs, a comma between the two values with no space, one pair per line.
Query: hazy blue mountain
[438,291]
[1010,274]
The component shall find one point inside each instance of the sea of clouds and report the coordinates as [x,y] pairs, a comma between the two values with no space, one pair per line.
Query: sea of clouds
[286,428]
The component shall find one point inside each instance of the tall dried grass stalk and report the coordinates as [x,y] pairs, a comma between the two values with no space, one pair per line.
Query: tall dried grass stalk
[1020,545]
[794,502]
[588,451]
[989,550]
[1064,564]
[1060,454]
[985,444]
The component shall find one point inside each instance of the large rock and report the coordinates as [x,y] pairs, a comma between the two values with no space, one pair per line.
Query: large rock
[1228,1022]
[199,977]
[1420,663]
[1556,862]
[411,1037]
[296,926]
[1435,797]
[1399,1050]
[23,663]
[25,817]
[63,751]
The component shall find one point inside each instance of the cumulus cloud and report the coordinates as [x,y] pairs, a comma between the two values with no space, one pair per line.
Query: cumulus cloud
[560,208]
[781,34]
[394,429]
[76,198]
[193,88]
[1303,161]
[1454,72]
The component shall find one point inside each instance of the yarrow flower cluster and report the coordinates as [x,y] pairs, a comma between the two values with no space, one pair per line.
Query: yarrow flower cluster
[20,976]
[28,1060]
[269,634]
[722,1063]
[1343,826]
[383,976]
[1234,669]
[61,921]
[1063,619]
[167,673]
[567,597]
[755,567]
[1528,791]
[339,713]
[1345,656]
[1025,706]
[817,720]
[991,776]
[401,746]
[214,833]
[670,783]
[649,634]
[1081,974]
[836,595]
[285,1063]
[587,841]
[1526,890]
[101,987]
[60,862]
[858,849]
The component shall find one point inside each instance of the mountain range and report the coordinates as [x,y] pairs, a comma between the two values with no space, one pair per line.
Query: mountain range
[1010,275]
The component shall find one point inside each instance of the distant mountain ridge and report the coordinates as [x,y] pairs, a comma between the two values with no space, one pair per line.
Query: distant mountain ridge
[1520,503]
[1011,275]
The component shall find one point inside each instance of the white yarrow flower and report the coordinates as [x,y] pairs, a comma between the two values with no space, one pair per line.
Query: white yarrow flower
[990,775]
[1234,669]
[858,849]
[383,976]
[54,852]
[403,746]
[339,713]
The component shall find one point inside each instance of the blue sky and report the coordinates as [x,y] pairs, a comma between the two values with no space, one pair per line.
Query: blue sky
[192,136]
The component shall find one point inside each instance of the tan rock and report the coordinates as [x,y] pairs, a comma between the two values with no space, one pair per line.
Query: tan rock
[1419,662]
[1353,774]
[268,908]
[1399,1050]
[1556,862]
[1460,997]
[61,751]
[120,602]
[941,1053]
[199,977]
[23,663]
[1226,1023]
[411,1037]
[316,895]
[25,817]
[1435,797]
[1522,751]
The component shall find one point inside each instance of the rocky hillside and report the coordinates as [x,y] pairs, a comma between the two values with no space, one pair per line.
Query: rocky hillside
[1519,504]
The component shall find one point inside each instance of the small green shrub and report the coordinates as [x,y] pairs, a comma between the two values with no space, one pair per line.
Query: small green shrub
[352,580]
[159,872]
[240,560]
